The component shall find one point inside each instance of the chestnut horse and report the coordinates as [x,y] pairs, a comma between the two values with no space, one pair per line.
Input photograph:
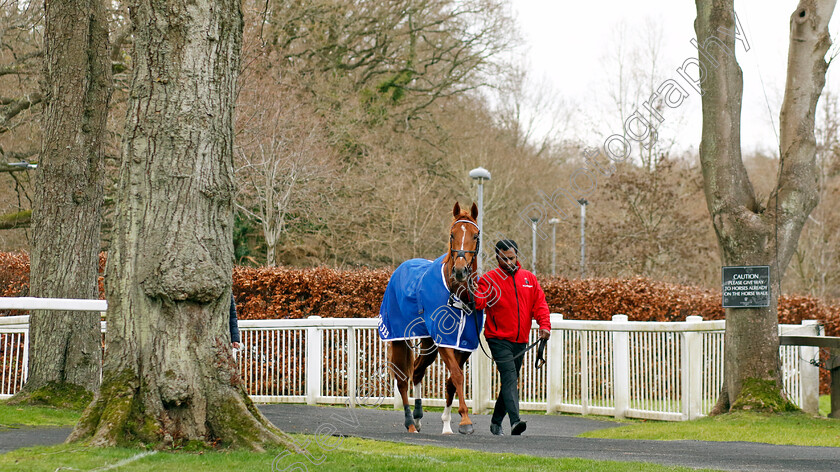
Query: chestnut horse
[455,278]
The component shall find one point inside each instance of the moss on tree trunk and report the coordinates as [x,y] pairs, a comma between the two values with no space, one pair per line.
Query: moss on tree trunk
[55,394]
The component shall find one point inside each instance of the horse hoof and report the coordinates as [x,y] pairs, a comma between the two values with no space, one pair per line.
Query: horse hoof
[466,429]
[417,422]
[412,429]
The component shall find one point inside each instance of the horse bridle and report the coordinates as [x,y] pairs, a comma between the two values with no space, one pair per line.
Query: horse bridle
[460,253]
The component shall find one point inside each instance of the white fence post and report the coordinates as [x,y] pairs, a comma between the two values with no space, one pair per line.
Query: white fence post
[691,367]
[584,372]
[314,361]
[480,374]
[554,366]
[621,368]
[25,369]
[352,365]
[809,374]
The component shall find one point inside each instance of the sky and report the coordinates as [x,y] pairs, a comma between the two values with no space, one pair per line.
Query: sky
[568,44]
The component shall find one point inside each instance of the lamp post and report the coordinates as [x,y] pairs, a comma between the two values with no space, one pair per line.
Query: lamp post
[583,204]
[480,174]
[553,222]
[480,366]
[534,221]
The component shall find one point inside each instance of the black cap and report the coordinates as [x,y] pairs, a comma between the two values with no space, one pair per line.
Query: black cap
[506,244]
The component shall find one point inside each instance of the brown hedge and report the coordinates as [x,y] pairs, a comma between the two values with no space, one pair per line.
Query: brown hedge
[643,299]
[282,292]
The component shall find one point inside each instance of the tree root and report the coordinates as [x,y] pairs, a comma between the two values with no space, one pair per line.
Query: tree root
[722,405]
[124,415]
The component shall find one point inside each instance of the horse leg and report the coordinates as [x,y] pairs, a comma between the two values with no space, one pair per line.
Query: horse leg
[446,417]
[452,361]
[428,354]
[450,391]
[402,358]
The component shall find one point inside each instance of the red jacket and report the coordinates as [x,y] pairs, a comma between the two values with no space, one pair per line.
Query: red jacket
[510,302]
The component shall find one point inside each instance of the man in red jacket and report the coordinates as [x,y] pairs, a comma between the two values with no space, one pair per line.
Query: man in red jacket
[511,297]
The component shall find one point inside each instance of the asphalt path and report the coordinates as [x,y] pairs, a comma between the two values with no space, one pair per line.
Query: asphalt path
[546,436]
[554,436]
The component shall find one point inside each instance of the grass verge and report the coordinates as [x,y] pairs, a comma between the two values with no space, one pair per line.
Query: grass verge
[825,405]
[798,429]
[351,455]
[14,416]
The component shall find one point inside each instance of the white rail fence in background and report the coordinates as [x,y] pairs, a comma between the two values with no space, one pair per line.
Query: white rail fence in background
[665,371]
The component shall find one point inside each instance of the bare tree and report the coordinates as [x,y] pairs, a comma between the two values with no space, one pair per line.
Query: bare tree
[633,73]
[21,99]
[283,165]
[532,112]
[402,55]
[750,232]
[654,227]
[169,376]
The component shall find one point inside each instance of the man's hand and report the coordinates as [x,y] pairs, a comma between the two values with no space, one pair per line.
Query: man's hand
[545,334]
[235,345]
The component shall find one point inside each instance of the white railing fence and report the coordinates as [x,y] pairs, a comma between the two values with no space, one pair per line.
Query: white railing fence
[666,371]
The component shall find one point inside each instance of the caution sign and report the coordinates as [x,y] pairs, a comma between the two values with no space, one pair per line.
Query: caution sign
[746,286]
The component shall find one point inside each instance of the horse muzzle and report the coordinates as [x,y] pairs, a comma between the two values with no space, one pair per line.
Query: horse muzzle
[460,275]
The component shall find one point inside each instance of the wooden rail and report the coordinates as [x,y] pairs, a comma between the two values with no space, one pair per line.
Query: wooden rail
[833,364]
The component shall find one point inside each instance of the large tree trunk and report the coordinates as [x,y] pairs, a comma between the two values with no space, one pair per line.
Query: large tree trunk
[749,232]
[169,374]
[65,347]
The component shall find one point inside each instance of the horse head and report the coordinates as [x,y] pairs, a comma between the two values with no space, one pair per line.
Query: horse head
[462,258]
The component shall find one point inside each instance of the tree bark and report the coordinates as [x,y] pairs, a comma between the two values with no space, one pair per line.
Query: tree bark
[65,347]
[169,375]
[749,232]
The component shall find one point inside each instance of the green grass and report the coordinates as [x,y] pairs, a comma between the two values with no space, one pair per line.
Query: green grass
[787,428]
[352,455]
[12,416]
[825,405]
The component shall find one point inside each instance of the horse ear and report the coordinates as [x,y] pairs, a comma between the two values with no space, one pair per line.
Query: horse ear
[474,211]
[457,210]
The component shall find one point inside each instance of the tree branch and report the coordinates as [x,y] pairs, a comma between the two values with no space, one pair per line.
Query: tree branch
[20,66]
[18,219]
[726,183]
[17,106]
[809,42]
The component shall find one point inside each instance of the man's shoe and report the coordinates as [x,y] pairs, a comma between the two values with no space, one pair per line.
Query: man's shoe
[518,428]
[496,430]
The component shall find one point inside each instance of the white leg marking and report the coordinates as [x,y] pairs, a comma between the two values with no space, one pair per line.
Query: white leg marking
[418,391]
[447,417]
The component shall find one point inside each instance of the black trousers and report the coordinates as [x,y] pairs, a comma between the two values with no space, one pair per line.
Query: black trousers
[508,401]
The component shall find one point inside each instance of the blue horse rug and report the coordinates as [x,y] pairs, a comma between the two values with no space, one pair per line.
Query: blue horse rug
[417,305]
